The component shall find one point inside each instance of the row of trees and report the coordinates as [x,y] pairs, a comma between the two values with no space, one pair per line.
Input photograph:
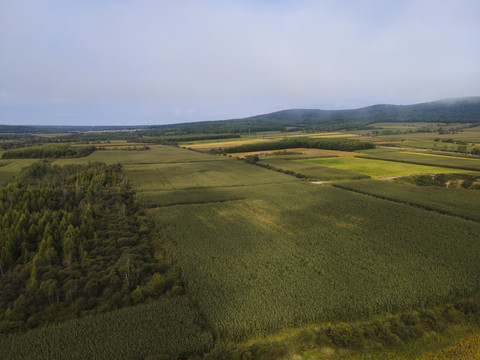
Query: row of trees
[48,151]
[72,242]
[304,142]
[179,138]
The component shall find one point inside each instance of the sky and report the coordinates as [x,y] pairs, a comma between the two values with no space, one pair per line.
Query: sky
[145,62]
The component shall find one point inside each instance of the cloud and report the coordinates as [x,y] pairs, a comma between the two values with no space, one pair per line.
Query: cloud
[141,61]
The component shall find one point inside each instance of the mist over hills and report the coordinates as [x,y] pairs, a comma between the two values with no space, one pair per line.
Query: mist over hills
[465,109]
[452,110]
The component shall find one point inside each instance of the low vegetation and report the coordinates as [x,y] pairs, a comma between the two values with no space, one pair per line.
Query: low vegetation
[159,330]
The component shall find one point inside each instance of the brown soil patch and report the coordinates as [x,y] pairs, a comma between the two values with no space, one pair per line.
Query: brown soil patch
[456,184]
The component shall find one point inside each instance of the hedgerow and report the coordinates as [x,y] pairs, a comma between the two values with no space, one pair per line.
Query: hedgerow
[303,142]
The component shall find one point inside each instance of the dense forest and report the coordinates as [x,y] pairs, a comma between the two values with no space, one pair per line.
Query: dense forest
[74,242]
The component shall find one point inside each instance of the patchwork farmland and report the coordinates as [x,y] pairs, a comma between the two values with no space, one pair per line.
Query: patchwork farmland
[263,251]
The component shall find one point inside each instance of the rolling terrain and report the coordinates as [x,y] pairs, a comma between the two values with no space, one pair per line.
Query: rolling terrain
[272,264]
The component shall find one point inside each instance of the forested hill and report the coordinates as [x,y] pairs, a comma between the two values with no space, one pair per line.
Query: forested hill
[459,110]
[464,110]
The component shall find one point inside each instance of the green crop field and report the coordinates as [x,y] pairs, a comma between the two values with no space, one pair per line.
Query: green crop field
[10,168]
[311,171]
[292,254]
[376,168]
[170,329]
[458,202]
[423,159]
[157,154]
[201,174]
[260,250]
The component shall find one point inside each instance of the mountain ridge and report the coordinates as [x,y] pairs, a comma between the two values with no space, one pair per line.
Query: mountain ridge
[443,108]
[449,110]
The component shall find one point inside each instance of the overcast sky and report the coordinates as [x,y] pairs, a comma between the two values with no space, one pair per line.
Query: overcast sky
[119,62]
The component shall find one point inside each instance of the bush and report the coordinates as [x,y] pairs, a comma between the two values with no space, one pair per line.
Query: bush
[345,336]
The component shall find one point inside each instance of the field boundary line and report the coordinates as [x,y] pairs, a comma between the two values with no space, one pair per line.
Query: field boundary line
[409,203]
[213,187]
[194,203]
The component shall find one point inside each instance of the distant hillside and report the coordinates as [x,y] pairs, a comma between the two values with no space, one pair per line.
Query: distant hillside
[41,129]
[462,110]
[459,110]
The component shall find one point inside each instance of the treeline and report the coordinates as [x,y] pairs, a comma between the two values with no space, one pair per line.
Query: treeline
[48,151]
[46,129]
[304,142]
[235,126]
[74,242]
[153,136]
[180,138]
[15,141]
